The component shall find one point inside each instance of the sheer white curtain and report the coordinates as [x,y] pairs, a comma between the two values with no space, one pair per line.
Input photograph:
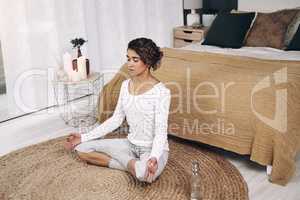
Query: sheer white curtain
[35,34]
[111,24]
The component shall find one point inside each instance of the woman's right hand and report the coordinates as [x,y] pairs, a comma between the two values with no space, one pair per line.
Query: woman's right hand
[72,140]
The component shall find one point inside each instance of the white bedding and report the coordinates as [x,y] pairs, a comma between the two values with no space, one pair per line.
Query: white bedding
[256,52]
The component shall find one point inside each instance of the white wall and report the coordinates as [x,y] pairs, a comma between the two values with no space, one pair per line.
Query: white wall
[267,5]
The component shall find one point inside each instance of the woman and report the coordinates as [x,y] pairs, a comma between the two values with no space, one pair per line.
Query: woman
[144,101]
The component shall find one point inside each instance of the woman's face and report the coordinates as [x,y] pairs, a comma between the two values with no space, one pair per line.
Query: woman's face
[135,65]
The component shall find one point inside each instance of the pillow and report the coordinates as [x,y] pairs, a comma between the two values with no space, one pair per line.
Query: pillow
[269,29]
[229,30]
[295,43]
[242,11]
[292,28]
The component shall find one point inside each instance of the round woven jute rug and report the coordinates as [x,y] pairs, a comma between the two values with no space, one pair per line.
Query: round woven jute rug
[46,171]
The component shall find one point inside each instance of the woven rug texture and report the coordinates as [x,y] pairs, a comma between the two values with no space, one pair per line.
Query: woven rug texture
[46,171]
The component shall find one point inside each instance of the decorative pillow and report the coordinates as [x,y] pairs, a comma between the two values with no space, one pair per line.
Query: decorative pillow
[292,28]
[229,30]
[295,43]
[253,20]
[269,29]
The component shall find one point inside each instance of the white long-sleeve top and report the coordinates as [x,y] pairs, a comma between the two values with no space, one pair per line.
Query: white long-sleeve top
[146,114]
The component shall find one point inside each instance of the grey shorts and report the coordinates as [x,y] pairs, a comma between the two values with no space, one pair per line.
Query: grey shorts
[121,152]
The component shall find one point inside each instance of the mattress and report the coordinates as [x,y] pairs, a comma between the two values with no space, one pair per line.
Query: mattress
[253,52]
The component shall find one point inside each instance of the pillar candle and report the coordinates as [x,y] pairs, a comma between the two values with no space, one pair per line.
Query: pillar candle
[75,75]
[81,64]
[67,59]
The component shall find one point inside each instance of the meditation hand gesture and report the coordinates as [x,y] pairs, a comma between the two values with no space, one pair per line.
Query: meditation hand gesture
[72,140]
[151,169]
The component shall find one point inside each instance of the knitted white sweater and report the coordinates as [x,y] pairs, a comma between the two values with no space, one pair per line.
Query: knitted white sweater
[146,114]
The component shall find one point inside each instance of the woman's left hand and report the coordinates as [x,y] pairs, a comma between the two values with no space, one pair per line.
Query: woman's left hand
[151,169]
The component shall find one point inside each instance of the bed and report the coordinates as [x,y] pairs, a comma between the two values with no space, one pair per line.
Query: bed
[245,100]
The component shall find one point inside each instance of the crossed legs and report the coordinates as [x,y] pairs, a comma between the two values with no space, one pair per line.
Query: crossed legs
[95,158]
[113,153]
[117,154]
[102,159]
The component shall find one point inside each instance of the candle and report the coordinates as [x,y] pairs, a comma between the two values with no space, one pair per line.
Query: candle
[81,66]
[75,75]
[67,59]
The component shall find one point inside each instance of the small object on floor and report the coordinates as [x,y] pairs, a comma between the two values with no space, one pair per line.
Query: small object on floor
[195,182]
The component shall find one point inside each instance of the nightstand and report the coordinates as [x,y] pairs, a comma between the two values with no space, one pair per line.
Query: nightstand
[77,101]
[185,35]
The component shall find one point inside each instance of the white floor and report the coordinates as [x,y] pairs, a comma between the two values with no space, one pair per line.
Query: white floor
[45,125]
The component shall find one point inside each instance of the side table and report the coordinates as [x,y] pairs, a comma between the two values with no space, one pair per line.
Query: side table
[77,101]
[186,35]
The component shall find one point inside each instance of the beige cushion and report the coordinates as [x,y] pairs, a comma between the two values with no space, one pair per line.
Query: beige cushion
[269,29]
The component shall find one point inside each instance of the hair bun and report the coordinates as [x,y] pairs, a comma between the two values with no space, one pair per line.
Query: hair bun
[148,51]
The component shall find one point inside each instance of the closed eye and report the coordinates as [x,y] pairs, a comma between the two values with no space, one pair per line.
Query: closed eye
[135,59]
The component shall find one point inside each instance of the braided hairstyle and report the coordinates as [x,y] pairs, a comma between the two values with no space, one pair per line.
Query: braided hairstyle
[149,53]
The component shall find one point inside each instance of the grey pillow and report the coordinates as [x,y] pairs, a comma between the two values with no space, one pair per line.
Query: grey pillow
[292,28]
